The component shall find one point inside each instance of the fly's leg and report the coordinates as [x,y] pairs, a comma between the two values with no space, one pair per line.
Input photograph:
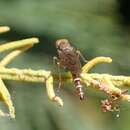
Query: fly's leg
[57,63]
[55,60]
[82,57]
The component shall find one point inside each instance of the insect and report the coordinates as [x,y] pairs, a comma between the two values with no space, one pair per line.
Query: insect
[69,58]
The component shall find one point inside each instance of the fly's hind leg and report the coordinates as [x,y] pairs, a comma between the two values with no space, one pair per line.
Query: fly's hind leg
[57,63]
[82,57]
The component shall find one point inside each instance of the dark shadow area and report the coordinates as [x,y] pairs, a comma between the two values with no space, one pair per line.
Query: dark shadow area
[124,10]
[46,43]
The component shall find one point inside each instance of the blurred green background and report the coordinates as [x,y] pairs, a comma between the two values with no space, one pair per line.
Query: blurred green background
[97,28]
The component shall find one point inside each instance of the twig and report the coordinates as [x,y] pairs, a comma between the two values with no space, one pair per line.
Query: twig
[21,46]
[5,96]
[51,93]
[4,29]
[94,62]
[18,44]
[27,75]
[7,59]
[104,82]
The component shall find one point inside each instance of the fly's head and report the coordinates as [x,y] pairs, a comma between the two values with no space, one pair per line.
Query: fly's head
[62,44]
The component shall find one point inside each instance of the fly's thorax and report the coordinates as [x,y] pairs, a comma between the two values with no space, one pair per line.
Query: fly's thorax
[69,59]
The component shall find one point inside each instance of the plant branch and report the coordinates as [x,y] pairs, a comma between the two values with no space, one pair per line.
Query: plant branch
[18,44]
[94,62]
[4,29]
[106,83]
[7,59]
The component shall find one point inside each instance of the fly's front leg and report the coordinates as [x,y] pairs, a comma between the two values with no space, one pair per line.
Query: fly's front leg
[82,57]
[57,63]
[55,60]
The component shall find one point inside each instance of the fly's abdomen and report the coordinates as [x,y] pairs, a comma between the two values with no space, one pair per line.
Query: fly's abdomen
[79,87]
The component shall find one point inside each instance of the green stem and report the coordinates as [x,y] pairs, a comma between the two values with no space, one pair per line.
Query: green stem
[30,75]
[18,44]
[7,59]
[4,29]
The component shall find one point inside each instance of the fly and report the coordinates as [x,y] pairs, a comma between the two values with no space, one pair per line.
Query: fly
[69,58]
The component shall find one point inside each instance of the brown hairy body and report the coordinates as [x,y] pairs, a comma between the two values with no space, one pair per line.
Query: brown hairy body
[69,59]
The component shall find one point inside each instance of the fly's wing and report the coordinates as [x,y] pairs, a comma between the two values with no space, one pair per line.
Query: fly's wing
[69,59]
[72,61]
[75,68]
[62,59]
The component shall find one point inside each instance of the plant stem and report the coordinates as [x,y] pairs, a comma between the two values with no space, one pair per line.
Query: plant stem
[18,44]
[4,29]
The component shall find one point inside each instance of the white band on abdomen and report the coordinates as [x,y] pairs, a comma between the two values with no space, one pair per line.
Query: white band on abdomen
[76,79]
